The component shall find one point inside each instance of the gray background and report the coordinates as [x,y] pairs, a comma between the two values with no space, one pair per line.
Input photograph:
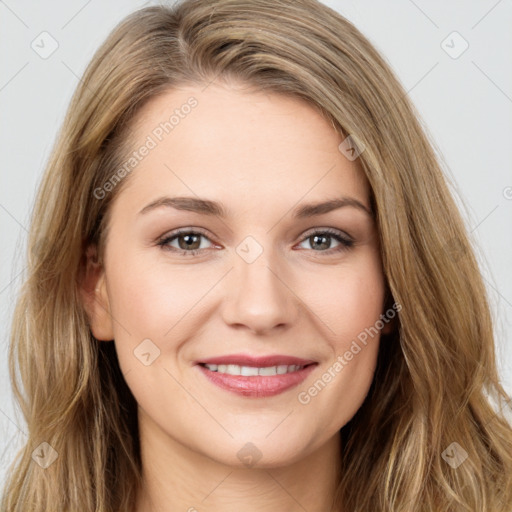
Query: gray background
[465,104]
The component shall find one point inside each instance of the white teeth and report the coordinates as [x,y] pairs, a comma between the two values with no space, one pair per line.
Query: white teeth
[233,369]
[270,370]
[246,371]
[250,371]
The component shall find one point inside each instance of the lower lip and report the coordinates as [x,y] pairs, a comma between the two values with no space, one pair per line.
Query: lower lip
[257,386]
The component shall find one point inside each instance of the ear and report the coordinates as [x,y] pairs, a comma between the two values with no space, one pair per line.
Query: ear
[93,290]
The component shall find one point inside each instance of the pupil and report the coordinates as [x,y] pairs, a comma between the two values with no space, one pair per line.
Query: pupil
[316,238]
[189,241]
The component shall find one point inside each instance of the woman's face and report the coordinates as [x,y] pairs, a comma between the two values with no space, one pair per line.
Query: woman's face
[260,280]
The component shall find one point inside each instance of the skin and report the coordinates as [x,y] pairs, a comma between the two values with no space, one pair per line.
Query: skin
[261,155]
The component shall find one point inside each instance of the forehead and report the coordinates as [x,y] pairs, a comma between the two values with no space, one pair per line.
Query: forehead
[240,147]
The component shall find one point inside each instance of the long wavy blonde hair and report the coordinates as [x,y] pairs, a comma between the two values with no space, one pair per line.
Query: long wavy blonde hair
[436,381]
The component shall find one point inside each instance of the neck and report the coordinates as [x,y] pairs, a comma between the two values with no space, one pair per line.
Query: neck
[178,478]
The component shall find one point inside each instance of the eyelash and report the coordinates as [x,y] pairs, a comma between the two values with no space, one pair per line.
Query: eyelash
[345,242]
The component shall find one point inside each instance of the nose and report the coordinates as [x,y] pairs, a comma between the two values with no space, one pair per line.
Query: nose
[258,296]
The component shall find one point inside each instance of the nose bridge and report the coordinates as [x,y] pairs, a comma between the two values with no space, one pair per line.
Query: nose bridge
[258,298]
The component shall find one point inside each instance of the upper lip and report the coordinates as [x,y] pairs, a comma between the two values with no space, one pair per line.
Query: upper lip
[258,361]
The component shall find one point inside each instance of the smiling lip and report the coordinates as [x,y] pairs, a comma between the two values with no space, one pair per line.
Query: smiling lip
[257,386]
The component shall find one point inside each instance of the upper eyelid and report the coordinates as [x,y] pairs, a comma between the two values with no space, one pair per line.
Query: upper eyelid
[307,234]
[328,230]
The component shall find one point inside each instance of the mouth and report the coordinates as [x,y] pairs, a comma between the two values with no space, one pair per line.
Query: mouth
[256,377]
[253,371]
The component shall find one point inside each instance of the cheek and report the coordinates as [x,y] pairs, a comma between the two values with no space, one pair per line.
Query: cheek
[356,306]
[153,307]
[350,312]
[347,298]
[150,299]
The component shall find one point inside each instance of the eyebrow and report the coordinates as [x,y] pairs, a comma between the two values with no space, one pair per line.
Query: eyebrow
[213,208]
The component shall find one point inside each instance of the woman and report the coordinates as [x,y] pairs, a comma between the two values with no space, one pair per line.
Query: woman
[248,285]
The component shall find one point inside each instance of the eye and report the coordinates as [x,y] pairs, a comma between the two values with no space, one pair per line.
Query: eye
[188,241]
[321,240]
